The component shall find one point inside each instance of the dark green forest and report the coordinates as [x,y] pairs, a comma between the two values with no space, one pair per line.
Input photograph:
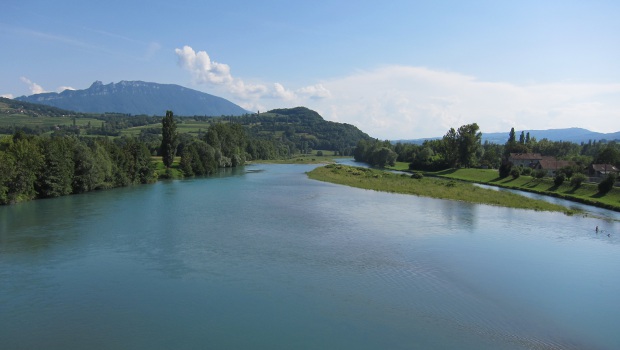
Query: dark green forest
[39,163]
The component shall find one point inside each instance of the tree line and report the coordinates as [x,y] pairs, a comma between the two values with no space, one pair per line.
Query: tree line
[462,147]
[58,164]
[34,166]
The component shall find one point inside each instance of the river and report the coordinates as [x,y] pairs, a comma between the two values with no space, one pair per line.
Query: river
[263,257]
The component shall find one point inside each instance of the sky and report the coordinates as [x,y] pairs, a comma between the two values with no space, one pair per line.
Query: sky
[395,69]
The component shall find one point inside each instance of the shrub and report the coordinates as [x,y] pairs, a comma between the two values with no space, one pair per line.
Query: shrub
[559,179]
[319,153]
[577,179]
[417,176]
[607,184]
[515,173]
[526,171]
[504,169]
[540,173]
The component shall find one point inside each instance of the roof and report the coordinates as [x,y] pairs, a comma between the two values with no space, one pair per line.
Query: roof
[526,156]
[552,164]
[604,168]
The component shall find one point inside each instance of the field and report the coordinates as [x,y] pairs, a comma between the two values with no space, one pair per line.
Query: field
[44,122]
[587,193]
[373,179]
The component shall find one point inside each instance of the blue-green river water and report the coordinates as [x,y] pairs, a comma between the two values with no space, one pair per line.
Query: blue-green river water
[265,258]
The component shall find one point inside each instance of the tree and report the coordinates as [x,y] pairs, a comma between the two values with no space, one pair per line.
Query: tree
[169,139]
[450,148]
[607,183]
[512,138]
[468,144]
[609,155]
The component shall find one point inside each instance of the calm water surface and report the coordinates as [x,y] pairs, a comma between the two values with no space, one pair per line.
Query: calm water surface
[264,258]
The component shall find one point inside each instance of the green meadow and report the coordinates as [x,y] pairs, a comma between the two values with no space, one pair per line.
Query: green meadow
[586,193]
[434,187]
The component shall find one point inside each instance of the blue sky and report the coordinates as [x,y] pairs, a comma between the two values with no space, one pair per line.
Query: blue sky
[396,69]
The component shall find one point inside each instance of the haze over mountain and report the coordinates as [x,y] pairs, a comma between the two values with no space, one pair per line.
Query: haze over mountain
[138,97]
[576,135]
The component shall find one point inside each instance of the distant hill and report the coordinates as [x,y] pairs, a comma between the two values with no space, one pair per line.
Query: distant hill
[138,98]
[305,128]
[576,135]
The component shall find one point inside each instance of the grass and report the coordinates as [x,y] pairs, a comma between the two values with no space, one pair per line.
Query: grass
[44,122]
[377,180]
[399,166]
[587,193]
[327,157]
[160,169]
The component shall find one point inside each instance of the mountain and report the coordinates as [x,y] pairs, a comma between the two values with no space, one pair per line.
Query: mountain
[576,135]
[138,97]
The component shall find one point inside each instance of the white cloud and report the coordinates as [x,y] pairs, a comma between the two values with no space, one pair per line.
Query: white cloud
[206,71]
[400,102]
[34,87]
[63,88]
[7,96]
[403,102]
[202,68]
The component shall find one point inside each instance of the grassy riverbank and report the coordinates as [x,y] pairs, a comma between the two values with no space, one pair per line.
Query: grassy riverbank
[586,193]
[377,180]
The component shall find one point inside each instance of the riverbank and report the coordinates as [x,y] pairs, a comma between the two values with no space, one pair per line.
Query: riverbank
[585,193]
[378,180]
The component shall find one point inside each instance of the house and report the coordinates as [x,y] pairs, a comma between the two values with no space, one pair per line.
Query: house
[601,170]
[525,159]
[552,165]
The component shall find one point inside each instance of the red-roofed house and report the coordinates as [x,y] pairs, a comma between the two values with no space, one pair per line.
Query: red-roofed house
[601,170]
[552,165]
[525,159]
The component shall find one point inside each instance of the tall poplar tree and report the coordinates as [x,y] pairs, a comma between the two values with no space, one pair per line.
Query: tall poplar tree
[169,139]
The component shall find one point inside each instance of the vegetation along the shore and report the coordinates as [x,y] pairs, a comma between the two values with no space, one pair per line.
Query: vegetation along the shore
[373,179]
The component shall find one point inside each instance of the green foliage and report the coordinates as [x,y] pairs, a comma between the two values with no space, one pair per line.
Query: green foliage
[169,139]
[559,179]
[527,171]
[540,173]
[56,176]
[577,179]
[515,173]
[607,183]
[417,176]
[375,152]
[505,169]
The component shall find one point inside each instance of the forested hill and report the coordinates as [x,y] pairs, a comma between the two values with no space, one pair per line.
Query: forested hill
[9,106]
[138,98]
[305,128]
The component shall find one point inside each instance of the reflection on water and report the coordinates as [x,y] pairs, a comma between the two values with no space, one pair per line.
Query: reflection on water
[266,258]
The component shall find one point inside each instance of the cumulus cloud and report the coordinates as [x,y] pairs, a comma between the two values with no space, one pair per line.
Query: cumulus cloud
[400,102]
[34,87]
[201,67]
[7,96]
[206,71]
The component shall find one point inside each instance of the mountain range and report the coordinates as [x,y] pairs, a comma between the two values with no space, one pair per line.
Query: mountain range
[138,98]
[576,135]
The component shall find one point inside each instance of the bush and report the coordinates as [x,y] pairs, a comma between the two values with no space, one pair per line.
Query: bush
[417,176]
[540,173]
[515,173]
[559,179]
[319,153]
[607,184]
[577,179]
[526,171]
[504,169]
